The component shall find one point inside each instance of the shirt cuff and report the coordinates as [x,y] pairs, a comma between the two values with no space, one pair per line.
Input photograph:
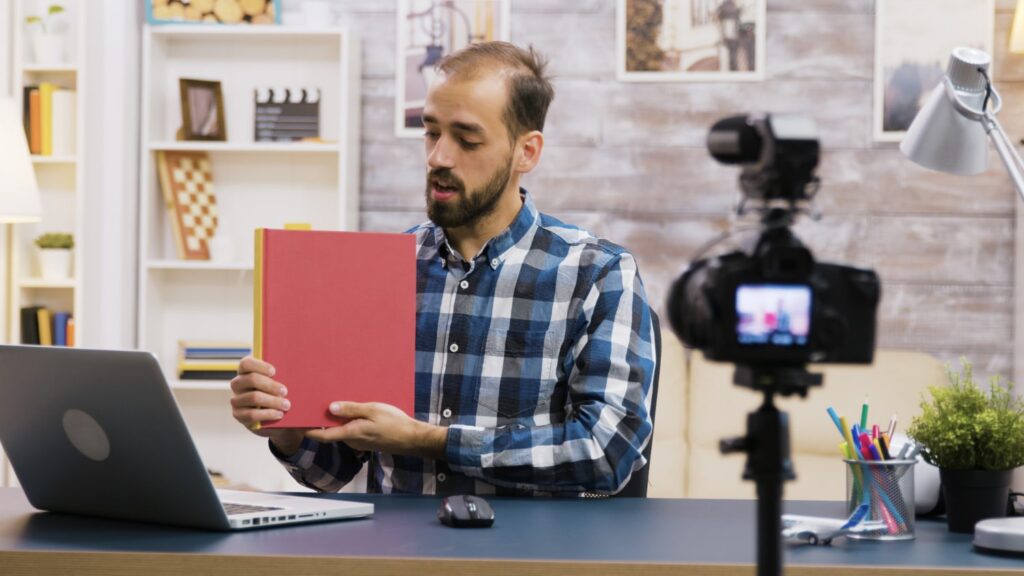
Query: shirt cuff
[301,459]
[464,449]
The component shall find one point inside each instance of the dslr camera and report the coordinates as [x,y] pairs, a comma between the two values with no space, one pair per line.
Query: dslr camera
[773,305]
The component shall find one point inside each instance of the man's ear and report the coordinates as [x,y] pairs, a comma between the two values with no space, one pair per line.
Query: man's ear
[531,145]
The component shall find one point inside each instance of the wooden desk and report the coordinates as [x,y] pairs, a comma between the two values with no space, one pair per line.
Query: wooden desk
[593,537]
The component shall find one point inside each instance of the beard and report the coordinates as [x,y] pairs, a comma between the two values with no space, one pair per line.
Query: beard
[465,209]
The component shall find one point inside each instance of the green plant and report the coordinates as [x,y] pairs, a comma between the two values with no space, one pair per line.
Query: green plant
[965,428]
[53,10]
[55,240]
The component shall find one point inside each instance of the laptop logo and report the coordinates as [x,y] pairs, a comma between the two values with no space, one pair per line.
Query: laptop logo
[86,435]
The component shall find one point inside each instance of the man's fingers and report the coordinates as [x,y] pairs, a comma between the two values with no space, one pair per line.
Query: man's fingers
[252,365]
[248,382]
[249,416]
[260,400]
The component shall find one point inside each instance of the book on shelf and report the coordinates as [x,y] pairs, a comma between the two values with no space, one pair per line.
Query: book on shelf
[50,119]
[62,125]
[42,326]
[46,118]
[210,360]
[35,139]
[335,314]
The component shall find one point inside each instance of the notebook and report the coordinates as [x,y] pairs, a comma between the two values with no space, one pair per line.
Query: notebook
[97,432]
[335,314]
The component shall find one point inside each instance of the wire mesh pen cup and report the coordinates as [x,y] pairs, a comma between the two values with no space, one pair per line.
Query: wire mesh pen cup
[887,488]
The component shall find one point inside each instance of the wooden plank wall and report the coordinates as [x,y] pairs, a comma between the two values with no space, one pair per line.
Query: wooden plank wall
[628,162]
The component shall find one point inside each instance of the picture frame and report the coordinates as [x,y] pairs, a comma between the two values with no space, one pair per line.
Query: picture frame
[913,40]
[209,12]
[690,40]
[427,31]
[202,110]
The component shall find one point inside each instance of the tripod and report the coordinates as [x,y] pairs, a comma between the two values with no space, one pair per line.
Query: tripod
[767,447]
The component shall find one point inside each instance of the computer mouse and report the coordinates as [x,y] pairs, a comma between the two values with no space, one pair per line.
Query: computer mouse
[463,511]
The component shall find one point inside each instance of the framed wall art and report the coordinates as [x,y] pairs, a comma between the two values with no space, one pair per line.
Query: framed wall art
[427,31]
[202,110]
[690,40]
[913,39]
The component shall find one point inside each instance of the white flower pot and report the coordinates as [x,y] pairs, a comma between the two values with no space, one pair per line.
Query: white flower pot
[48,49]
[55,263]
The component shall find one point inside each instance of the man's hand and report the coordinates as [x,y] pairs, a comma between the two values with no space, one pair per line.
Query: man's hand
[381,427]
[257,398]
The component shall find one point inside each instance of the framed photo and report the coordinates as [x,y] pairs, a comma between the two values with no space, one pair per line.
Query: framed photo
[690,40]
[213,11]
[427,31]
[913,39]
[202,110]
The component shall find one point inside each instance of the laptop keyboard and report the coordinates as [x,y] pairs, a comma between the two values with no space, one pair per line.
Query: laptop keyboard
[232,508]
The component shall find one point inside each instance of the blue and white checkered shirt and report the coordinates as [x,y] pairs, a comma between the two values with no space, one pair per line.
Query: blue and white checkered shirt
[537,355]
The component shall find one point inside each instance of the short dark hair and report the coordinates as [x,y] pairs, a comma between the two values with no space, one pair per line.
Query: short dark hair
[530,91]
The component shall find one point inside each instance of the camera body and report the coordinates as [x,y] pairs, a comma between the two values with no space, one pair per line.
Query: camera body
[774,305]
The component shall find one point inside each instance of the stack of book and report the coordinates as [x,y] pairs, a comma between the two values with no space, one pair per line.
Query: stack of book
[49,113]
[40,325]
[210,360]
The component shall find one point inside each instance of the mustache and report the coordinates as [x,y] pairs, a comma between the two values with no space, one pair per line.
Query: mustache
[444,177]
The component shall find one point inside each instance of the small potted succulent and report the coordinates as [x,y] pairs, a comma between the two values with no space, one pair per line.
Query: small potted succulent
[976,439]
[55,255]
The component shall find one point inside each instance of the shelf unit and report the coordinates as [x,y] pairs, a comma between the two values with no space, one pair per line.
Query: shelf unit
[60,178]
[257,184]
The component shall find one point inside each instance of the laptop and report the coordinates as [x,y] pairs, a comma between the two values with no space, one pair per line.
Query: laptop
[98,432]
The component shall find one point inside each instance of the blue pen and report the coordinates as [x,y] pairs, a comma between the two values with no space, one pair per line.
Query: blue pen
[835,418]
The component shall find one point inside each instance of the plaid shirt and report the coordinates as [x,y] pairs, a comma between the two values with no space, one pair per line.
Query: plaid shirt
[537,355]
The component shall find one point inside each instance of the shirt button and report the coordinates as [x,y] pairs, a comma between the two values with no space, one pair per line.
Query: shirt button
[454,347]
[494,263]
[464,284]
[447,413]
[441,477]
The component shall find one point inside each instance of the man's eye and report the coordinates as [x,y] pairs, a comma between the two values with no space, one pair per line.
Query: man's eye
[430,135]
[469,145]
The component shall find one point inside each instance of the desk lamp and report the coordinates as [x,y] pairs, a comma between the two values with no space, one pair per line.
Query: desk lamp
[949,135]
[19,195]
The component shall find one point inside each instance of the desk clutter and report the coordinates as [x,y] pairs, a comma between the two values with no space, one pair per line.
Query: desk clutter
[210,360]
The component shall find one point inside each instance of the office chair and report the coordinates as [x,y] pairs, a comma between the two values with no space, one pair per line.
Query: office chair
[637,485]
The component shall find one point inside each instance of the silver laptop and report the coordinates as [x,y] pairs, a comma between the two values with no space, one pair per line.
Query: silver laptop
[97,432]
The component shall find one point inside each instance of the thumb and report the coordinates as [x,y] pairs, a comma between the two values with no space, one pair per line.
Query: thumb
[350,409]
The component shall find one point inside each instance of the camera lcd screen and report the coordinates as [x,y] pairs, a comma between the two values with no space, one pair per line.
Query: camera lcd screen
[777,315]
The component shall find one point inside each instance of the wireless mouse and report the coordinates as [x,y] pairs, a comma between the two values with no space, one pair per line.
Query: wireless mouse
[464,511]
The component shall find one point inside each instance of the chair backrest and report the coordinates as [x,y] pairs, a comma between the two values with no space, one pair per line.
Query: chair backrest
[637,485]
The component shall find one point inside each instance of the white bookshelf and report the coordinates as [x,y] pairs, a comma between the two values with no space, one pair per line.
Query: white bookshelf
[60,178]
[257,184]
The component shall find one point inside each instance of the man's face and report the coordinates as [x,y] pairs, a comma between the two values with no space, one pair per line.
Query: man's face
[469,156]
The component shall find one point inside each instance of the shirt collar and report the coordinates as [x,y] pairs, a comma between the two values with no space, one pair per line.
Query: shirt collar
[498,247]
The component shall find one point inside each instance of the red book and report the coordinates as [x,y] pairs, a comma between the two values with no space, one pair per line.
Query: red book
[335,314]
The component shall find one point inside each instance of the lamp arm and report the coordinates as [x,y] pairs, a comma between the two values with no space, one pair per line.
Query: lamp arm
[1007,152]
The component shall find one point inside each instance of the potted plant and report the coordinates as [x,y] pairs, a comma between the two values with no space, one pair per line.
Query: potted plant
[976,439]
[55,255]
[48,42]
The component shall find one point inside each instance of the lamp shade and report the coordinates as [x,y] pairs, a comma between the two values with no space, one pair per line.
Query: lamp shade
[941,137]
[19,194]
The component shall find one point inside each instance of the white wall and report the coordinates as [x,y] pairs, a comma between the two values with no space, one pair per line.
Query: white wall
[112,92]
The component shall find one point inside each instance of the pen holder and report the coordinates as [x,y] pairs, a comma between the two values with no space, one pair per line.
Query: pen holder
[887,487]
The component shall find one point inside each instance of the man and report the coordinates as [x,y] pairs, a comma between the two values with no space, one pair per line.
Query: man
[534,341]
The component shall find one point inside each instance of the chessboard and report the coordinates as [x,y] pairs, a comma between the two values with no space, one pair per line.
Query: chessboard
[186,181]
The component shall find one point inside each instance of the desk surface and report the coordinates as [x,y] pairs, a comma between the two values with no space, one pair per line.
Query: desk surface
[615,536]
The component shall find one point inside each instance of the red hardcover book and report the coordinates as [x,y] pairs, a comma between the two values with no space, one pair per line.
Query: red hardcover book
[335,314]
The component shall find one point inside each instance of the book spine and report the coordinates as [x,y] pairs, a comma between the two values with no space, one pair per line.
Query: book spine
[71,331]
[30,325]
[63,127]
[35,142]
[46,118]
[45,334]
[258,293]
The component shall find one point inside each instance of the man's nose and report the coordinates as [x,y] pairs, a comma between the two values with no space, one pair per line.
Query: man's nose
[440,155]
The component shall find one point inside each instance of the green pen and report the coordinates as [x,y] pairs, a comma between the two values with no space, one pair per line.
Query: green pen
[864,415]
